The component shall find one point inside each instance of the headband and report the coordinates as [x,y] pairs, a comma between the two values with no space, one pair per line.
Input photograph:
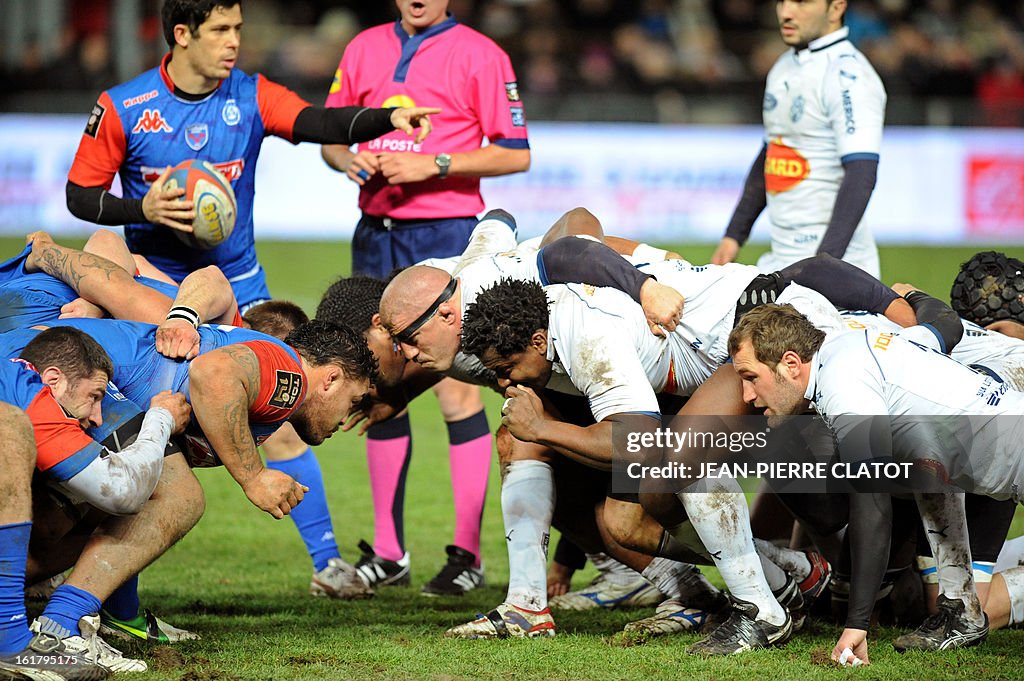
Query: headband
[405,334]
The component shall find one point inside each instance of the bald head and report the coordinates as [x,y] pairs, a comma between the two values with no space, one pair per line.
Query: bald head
[409,294]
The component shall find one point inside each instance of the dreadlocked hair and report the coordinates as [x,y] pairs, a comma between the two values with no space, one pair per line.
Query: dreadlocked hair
[321,343]
[504,317]
[352,301]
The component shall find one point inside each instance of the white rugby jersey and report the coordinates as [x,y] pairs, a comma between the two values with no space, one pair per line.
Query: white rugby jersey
[1000,354]
[866,372]
[822,105]
[600,340]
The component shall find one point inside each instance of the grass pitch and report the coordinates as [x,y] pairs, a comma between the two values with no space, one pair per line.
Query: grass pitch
[241,579]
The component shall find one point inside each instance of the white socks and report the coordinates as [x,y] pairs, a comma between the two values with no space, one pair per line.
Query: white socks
[722,520]
[527,504]
[1014,579]
[793,562]
[612,570]
[946,528]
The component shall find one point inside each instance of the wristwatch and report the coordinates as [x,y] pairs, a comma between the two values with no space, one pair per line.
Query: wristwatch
[443,163]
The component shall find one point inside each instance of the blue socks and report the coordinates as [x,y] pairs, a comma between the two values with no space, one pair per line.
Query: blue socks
[67,605]
[312,517]
[14,633]
[124,602]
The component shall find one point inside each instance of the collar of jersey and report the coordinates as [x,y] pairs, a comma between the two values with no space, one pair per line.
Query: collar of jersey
[825,41]
[411,43]
[812,379]
[180,94]
[404,37]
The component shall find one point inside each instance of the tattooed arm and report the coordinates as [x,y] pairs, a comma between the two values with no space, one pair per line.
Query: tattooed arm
[97,280]
[223,384]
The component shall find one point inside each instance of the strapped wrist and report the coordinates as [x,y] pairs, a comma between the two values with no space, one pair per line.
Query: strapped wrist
[186,313]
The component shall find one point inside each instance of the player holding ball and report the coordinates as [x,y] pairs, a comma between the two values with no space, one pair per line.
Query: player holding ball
[197,105]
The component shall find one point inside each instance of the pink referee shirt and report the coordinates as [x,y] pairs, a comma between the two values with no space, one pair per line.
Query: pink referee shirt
[448,66]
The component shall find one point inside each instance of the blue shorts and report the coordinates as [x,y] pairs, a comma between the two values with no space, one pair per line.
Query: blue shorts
[381,245]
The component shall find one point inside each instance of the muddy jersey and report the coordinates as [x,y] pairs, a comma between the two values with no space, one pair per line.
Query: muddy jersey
[965,424]
[823,106]
[600,340]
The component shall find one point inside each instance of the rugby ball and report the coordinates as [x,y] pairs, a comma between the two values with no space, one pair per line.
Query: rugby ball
[213,201]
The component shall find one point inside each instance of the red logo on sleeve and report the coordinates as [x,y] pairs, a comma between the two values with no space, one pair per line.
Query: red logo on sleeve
[151,121]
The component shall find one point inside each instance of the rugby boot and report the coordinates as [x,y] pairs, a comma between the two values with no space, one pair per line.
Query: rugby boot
[946,629]
[507,621]
[377,571]
[339,580]
[457,576]
[743,632]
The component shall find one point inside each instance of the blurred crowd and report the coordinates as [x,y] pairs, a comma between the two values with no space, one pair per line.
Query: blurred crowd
[971,50]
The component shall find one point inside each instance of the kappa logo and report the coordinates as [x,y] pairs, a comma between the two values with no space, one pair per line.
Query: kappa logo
[287,391]
[151,120]
[196,136]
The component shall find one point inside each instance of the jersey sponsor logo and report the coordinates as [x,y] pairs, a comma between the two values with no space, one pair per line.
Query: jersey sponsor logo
[851,127]
[151,120]
[196,136]
[518,116]
[398,102]
[138,99]
[232,170]
[883,341]
[287,390]
[388,144]
[231,113]
[95,118]
[512,91]
[770,102]
[784,168]
[336,83]
[796,109]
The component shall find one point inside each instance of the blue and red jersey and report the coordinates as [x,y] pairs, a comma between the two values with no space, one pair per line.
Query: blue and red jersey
[28,298]
[139,127]
[140,372]
[62,448]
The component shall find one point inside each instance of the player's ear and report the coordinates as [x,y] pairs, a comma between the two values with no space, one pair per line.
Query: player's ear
[333,377]
[52,376]
[448,313]
[539,341]
[791,363]
[182,35]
